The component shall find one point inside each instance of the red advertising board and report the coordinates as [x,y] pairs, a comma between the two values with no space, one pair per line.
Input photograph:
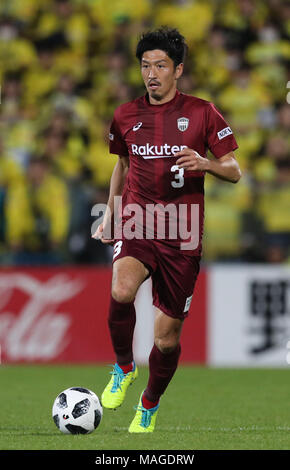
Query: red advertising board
[60,315]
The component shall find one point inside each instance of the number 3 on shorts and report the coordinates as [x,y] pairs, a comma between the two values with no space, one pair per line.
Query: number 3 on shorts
[117,248]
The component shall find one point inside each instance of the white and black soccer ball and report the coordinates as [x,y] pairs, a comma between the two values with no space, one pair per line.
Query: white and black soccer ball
[77,410]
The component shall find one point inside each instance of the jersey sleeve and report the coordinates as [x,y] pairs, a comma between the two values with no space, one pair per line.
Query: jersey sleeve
[117,144]
[219,136]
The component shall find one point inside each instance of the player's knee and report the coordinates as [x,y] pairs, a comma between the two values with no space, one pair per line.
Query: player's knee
[166,345]
[123,293]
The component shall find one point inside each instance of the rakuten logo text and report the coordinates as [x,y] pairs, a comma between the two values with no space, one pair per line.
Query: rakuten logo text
[156,151]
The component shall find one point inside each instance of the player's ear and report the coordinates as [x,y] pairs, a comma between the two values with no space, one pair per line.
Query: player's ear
[178,71]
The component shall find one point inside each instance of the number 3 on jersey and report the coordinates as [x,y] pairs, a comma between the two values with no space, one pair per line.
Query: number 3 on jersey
[117,248]
[178,177]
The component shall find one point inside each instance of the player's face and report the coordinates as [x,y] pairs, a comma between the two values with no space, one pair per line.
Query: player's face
[160,76]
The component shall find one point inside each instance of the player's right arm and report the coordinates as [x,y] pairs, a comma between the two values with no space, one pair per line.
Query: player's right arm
[116,188]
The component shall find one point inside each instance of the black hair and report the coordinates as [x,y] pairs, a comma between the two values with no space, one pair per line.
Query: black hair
[166,39]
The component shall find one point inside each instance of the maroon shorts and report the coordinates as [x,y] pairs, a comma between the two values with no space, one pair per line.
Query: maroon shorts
[173,273]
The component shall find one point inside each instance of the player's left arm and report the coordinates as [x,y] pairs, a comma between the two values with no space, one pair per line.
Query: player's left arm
[225,167]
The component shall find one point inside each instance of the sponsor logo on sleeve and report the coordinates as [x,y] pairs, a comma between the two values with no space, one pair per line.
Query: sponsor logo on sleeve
[111,136]
[224,133]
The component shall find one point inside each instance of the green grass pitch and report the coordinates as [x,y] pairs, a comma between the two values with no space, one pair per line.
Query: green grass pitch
[203,408]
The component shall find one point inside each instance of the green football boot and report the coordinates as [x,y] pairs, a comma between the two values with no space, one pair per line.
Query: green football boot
[144,420]
[115,392]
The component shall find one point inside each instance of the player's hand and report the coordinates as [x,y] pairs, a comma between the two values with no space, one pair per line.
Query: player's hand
[190,160]
[99,235]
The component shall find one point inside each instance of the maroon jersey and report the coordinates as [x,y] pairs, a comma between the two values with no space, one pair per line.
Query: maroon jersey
[151,135]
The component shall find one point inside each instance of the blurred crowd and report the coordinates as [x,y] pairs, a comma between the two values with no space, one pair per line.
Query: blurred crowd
[64,67]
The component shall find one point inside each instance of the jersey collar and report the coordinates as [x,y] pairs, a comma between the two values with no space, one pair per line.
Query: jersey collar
[158,107]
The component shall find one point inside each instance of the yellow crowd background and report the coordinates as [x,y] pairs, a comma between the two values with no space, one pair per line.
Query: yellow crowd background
[64,67]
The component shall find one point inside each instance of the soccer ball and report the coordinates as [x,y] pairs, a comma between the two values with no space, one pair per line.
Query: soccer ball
[77,410]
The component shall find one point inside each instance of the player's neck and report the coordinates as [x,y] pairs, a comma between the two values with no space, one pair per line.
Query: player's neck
[168,97]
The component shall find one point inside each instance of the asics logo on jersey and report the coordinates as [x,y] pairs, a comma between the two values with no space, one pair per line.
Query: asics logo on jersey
[156,151]
[137,126]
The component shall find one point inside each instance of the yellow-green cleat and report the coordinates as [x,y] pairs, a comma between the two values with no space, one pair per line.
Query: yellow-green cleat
[144,420]
[115,392]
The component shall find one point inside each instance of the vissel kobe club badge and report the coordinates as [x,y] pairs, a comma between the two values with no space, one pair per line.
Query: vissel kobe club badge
[182,123]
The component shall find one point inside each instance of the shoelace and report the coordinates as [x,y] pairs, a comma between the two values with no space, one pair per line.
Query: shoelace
[146,415]
[118,378]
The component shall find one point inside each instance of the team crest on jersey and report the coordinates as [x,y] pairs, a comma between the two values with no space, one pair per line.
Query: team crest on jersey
[182,123]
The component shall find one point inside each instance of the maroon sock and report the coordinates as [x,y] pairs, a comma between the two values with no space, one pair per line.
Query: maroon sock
[147,403]
[126,367]
[122,319]
[161,370]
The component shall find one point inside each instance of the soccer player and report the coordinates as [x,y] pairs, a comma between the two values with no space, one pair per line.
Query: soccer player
[162,140]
